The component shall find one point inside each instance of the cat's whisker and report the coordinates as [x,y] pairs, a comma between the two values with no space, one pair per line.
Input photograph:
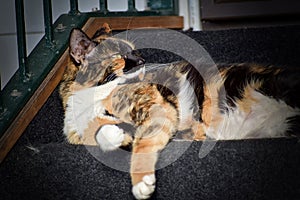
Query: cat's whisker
[134,40]
[128,27]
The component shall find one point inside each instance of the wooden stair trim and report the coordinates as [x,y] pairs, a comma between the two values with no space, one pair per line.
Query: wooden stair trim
[124,23]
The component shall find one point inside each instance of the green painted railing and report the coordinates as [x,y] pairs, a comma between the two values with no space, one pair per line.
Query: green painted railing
[34,68]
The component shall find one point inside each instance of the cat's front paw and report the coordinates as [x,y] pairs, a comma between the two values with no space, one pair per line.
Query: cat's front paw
[145,188]
[110,137]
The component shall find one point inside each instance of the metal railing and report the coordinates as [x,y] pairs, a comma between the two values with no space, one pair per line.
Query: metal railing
[34,68]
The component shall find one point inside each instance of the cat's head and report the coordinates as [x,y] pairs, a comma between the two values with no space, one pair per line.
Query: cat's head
[102,57]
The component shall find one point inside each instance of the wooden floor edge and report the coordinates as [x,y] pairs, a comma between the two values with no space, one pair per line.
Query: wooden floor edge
[20,123]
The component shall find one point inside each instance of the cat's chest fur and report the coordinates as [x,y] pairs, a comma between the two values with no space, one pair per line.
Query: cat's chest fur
[85,105]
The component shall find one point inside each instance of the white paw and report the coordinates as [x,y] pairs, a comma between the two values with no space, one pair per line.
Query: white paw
[145,188]
[110,137]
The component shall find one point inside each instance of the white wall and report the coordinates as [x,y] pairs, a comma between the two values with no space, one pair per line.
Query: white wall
[35,26]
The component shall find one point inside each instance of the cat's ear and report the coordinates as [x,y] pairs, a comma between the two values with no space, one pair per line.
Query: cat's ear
[80,45]
[102,33]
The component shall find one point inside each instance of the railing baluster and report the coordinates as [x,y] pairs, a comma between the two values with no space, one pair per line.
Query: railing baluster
[131,5]
[103,6]
[74,7]
[48,22]
[21,38]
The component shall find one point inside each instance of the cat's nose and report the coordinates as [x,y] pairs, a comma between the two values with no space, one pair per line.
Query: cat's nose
[134,59]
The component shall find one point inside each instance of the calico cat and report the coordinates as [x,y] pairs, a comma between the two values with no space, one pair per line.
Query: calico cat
[241,101]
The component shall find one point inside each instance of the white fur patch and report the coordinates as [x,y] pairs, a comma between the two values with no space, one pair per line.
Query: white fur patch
[84,105]
[266,119]
[110,137]
[186,99]
[145,188]
[139,73]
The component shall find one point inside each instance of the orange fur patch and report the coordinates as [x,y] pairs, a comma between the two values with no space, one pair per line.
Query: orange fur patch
[119,66]
[211,115]
[198,131]
[207,107]
[106,27]
[248,100]
[74,138]
[107,31]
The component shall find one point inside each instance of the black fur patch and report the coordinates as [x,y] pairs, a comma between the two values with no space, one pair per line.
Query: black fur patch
[167,94]
[284,86]
[278,83]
